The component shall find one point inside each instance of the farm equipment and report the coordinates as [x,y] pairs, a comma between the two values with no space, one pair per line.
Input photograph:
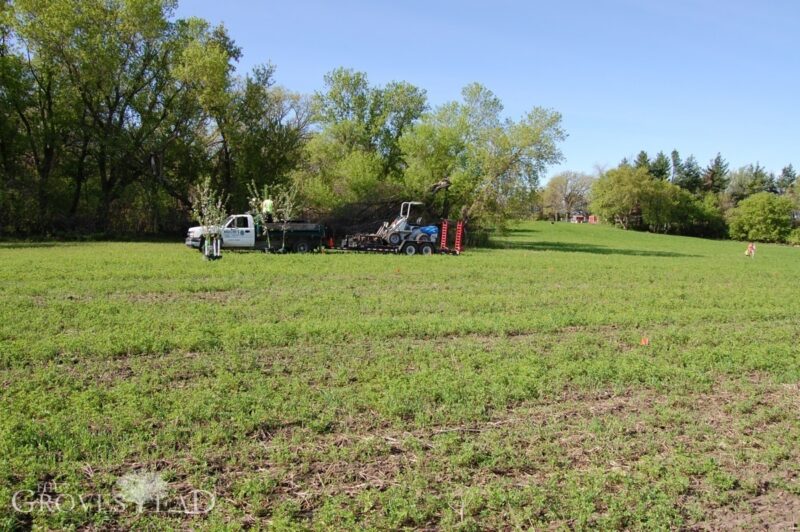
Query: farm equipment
[403,236]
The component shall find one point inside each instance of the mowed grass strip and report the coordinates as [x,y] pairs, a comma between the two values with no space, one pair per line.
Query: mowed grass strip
[505,387]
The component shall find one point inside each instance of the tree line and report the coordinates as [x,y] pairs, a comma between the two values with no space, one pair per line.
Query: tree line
[668,194]
[112,112]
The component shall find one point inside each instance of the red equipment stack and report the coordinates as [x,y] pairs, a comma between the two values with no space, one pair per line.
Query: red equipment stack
[459,235]
[459,241]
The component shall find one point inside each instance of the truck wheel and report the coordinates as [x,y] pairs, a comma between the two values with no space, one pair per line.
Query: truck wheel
[426,248]
[302,247]
[395,239]
[410,249]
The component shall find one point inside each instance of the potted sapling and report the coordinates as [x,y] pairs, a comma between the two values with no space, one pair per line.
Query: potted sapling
[208,208]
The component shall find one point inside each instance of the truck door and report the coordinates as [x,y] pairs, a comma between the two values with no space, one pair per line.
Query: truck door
[239,232]
[247,231]
[230,233]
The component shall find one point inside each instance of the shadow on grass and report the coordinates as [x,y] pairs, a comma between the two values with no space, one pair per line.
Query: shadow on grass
[26,245]
[521,231]
[75,240]
[571,247]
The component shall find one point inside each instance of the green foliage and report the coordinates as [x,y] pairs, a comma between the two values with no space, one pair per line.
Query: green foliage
[707,218]
[630,197]
[661,168]
[617,195]
[642,161]
[749,180]
[715,176]
[356,157]
[786,181]
[494,164]
[664,205]
[763,217]
[794,237]
[119,108]
[268,133]
[368,119]
[567,193]
[208,207]
[689,176]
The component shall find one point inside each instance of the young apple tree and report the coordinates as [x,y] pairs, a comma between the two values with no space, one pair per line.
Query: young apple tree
[208,208]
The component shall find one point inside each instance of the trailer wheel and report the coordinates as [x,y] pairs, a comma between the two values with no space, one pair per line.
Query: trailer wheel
[395,239]
[426,248]
[302,247]
[410,249]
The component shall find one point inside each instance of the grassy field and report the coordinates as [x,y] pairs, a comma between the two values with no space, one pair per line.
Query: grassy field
[504,388]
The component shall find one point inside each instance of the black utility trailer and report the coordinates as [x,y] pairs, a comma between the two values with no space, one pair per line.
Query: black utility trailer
[301,237]
[422,243]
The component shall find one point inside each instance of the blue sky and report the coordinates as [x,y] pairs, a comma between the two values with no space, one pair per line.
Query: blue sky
[700,76]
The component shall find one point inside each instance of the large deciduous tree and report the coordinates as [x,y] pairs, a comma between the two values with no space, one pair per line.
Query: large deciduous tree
[618,194]
[356,156]
[369,119]
[493,163]
[567,193]
[117,56]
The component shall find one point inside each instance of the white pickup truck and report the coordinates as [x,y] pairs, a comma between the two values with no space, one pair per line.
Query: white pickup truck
[239,231]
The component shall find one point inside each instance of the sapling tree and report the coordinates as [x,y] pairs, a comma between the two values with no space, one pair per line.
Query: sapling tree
[208,208]
[259,199]
[282,201]
[285,208]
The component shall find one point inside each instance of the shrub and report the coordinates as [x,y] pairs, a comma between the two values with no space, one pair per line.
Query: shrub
[794,237]
[763,217]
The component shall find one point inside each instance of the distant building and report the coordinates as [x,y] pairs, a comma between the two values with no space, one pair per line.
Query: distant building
[579,218]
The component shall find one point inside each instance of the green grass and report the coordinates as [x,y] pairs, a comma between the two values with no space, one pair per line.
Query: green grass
[503,388]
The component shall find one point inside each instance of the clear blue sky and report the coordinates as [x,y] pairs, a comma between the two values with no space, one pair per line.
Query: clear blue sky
[700,76]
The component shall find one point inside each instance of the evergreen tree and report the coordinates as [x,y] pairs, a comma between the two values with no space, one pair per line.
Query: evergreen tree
[660,168]
[715,177]
[642,161]
[748,181]
[690,176]
[760,181]
[786,180]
